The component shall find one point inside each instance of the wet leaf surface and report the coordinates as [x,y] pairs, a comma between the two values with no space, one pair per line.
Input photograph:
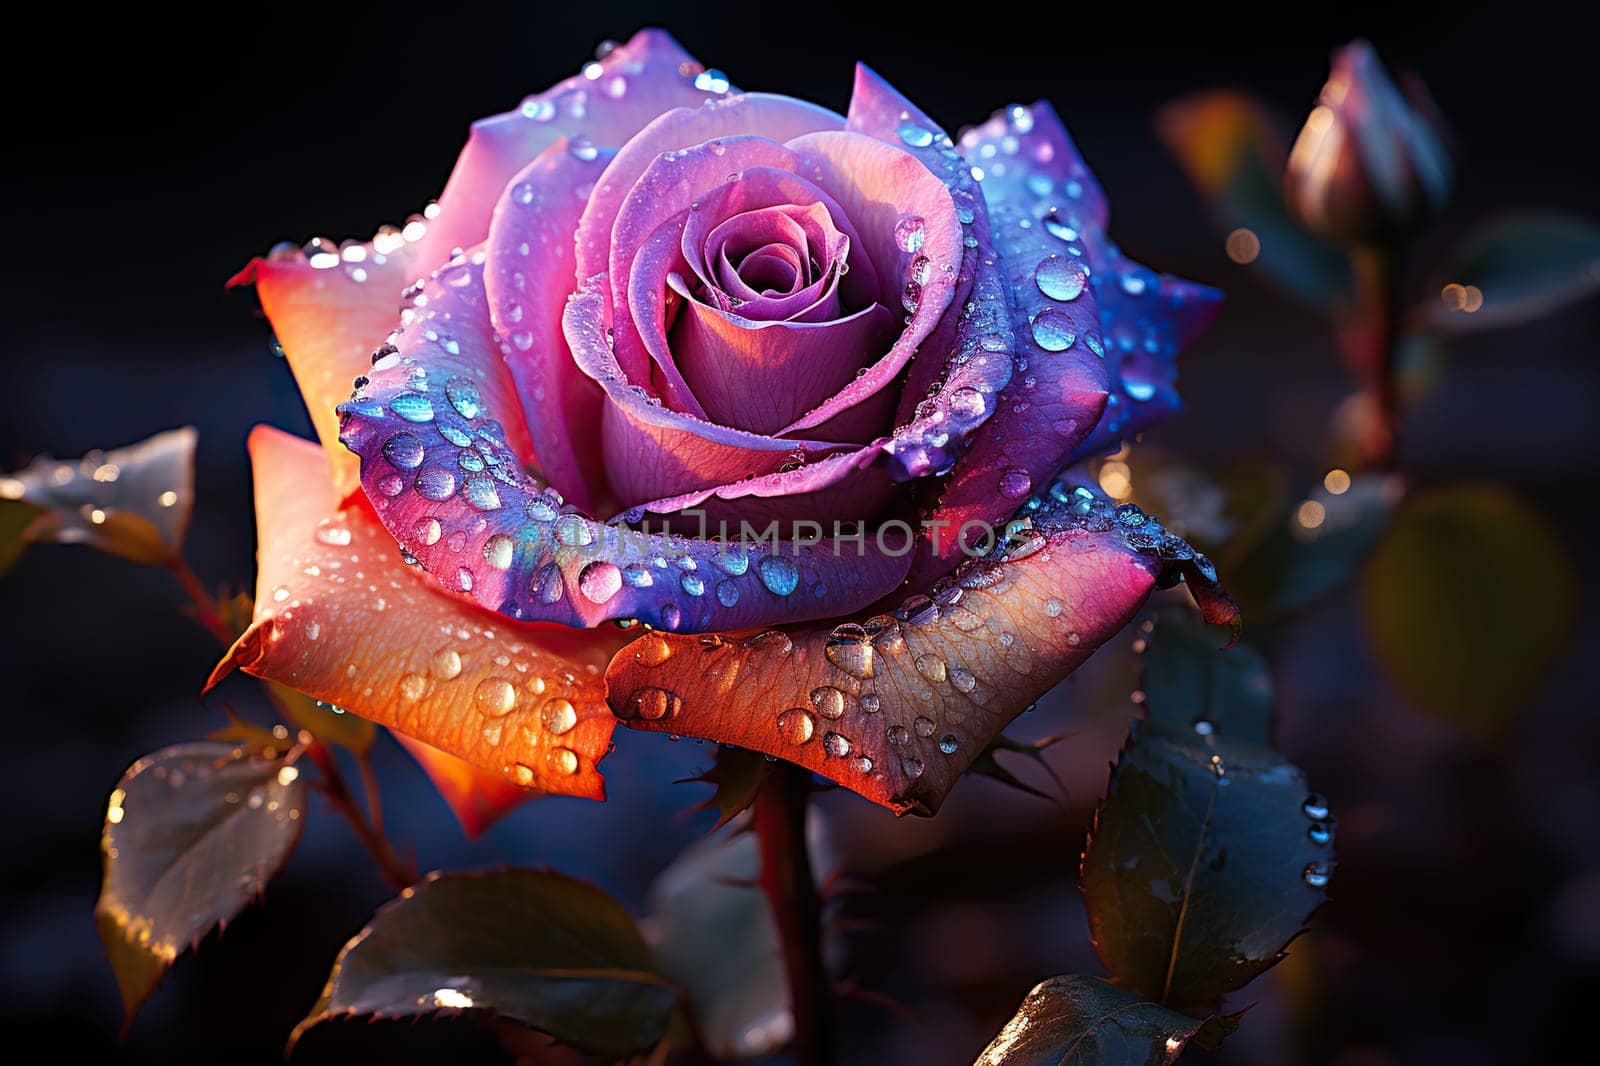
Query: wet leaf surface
[1084,1021]
[1192,683]
[133,501]
[1468,602]
[1206,859]
[713,931]
[534,947]
[1522,265]
[192,834]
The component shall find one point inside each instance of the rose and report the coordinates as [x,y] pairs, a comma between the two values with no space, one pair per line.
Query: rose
[644,302]
[1369,163]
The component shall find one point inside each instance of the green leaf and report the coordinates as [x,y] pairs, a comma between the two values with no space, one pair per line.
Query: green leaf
[1084,1021]
[19,524]
[1317,545]
[736,775]
[192,834]
[1192,683]
[321,720]
[988,763]
[531,946]
[1523,265]
[133,501]
[1233,150]
[1469,601]
[713,931]
[1206,859]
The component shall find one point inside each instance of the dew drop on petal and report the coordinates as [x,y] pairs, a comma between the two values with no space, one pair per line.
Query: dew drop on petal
[1060,278]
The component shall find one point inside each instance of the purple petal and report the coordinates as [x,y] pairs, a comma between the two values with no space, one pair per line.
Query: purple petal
[606,103]
[437,467]
[528,278]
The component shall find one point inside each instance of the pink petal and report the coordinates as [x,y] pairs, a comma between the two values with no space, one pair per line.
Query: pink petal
[339,617]
[436,465]
[897,706]
[606,103]
[528,278]
[329,313]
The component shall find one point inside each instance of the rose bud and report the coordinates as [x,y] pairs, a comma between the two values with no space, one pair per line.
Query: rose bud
[1370,162]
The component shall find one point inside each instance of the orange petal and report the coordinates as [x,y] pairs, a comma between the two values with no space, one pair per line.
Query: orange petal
[898,706]
[340,617]
[478,797]
[329,317]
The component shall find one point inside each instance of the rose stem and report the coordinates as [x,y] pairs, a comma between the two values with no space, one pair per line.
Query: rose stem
[395,870]
[207,611]
[1380,277]
[780,825]
[372,835]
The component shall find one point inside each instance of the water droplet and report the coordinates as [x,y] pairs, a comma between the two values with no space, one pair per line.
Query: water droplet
[1320,833]
[1204,727]
[770,642]
[1015,483]
[651,650]
[481,493]
[404,450]
[949,744]
[932,667]
[914,135]
[1315,807]
[1052,330]
[446,664]
[671,616]
[693,584]
[436,483]
[966,402]
[870,703]
[910,766]
[558,715]
[898,734]
[923,725]
[563,760]
[494,697]
[796,725]
[523,775]
[412,686]
[428,531]
[599,581]
[463,396]
[1318,874]
[498,551]
[652,704]
[910,232]
[1060,278]
[836,744]
[334,535]
[712,81]
[778,574]
[849,648]
[828,701]
[1060,230]
[963,680]
[413,407]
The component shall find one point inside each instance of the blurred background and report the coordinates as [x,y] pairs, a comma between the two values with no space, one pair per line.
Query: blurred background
[150,160]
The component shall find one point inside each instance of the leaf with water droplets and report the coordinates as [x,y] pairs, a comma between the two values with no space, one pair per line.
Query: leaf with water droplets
[1234,151]
[1519,266]
[713,931]
[1084,1021]
[533,947]
[1206,858]
[192,834]
[1469,601]
[736,775]
[132,502]
[1190,681]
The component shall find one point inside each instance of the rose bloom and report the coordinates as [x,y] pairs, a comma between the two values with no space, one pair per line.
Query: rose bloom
[657,335]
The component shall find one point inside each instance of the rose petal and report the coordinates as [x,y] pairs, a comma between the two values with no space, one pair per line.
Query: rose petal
[658,459]
[528,277]
[329,315]
[950,388]
[898,706]
[339,617]
[749,114]
[1145,317]
[452,492]
[478,798]
[606,103]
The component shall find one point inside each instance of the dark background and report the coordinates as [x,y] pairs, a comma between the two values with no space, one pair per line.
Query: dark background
[150,155]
